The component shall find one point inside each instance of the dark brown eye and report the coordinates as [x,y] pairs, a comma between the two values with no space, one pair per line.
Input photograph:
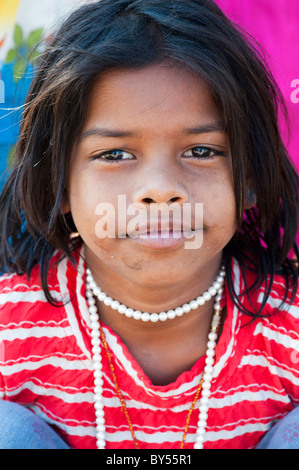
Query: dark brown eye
[113,156]
[202,152]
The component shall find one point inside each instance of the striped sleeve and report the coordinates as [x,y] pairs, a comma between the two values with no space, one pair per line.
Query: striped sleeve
[2,385]
[276,342]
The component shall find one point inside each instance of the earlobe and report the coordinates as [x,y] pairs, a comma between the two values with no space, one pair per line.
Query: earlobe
[250,198]
[65,206]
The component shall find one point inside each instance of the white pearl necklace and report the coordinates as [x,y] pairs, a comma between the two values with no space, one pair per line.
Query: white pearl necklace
[98,375]
[154,317]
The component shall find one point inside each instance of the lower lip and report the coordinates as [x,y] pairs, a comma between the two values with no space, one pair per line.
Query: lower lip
[161,240]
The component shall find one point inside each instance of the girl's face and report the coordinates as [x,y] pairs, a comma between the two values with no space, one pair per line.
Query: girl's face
[152,136]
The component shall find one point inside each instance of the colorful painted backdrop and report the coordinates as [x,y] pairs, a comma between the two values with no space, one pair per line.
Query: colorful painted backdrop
[274,23]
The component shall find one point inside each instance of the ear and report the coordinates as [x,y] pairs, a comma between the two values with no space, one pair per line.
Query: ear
[65,206]
[250,198]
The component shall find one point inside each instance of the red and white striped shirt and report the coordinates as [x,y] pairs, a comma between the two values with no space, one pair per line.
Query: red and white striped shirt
[46,365]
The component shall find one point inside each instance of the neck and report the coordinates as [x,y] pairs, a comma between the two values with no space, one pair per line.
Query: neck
[164,350]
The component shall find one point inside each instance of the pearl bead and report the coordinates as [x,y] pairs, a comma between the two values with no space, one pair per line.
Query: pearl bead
[122,308]
[96,291]
[100,420]
[206,386]
[194,304]
[201,423]
[186,308]
[212,336]
[163,316]
[207,296]
[209,360]
[200,300]
[89,279]
[95,341]
[208,369]
[108,301]
[97,366]
[99,406]
[92,285]
[145,316]
[91,299]
[206,392]
[208,377]
[99,412]
[212,290]
[93,309]
[171,314]
[204,416]
[101,444]
[98,377]
[210,353]
[203,408]
[204,400]
[137,315]
[98,381]
[97,397]
[95,325]
[198,445]
[94,317]
[154,317]
[102,296]
[199,434]
[129,312]
[115,304]
[179,311]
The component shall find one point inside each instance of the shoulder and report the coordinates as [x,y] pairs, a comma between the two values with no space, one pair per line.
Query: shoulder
[276,300]
[22,297]
[278,320]
[277,331]
[280,303]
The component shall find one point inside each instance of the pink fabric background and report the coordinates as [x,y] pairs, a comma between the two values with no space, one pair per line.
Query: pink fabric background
[275,25]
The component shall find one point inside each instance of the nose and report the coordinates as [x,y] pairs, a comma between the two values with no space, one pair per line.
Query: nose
[160,187]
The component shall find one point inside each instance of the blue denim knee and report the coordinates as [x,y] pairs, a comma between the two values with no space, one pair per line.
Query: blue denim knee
[22,429]
[284,434]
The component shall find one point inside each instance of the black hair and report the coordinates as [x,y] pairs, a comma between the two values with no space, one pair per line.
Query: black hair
[135,33]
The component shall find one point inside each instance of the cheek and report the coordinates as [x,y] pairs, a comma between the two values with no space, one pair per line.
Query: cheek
[219,204]
[84,196]
[95,210]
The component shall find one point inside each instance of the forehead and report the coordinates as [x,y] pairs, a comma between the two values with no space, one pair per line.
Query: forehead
[154,93]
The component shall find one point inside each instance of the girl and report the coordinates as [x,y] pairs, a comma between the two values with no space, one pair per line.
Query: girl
[118,334]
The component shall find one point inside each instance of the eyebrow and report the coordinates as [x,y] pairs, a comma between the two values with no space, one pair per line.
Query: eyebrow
[103,132]
[217,126]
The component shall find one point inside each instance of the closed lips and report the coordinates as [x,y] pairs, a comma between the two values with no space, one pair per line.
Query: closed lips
[161,228]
